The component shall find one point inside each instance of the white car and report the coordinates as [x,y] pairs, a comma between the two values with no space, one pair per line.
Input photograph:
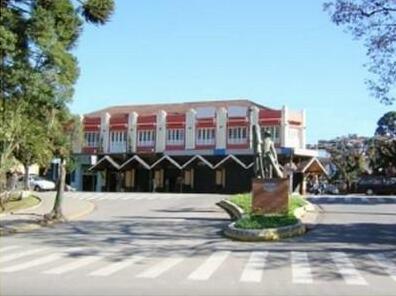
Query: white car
[39,184]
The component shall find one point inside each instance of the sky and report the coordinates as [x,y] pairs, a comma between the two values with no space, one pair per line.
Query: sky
[272,52]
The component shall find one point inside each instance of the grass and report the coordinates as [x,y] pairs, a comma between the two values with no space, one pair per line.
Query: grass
[13,204]
[251,221]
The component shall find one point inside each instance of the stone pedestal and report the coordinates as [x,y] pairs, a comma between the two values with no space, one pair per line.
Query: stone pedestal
[270,196]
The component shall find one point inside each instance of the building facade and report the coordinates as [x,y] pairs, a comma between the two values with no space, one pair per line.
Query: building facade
[187,147]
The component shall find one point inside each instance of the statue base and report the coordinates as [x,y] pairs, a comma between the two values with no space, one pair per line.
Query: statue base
[270,196]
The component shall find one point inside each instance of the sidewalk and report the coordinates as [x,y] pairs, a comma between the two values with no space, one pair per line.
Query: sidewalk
[29,219]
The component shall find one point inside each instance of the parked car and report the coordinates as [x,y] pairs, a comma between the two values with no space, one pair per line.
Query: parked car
[376,185]
[38,183]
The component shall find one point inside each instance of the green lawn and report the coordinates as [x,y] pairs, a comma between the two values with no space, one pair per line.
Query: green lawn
[251,221]
[13,204]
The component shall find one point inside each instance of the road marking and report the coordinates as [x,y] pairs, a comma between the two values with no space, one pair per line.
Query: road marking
[116,266]
[126,197]
[32,263]
[253,270]
[76,263]
[386,264]
[301,269]
[160,268]
[9,248]
[21,254]
[211,264]
[347,269]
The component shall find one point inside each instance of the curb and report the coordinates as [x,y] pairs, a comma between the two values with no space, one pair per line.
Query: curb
[26,227]
[24,209]
[233,210]
[269,234]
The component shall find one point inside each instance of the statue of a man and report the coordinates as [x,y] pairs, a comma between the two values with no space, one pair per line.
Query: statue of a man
[270,158]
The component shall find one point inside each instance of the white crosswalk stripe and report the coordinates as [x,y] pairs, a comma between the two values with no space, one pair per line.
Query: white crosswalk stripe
[75,264]
[9,248]
[116,266]
[160,268]
[301,269]
[253,270]
[386,264]
[347,270]
[211,264]
[32,263]
[14,256]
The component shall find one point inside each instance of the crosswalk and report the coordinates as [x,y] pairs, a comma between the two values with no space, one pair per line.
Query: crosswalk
[357,200]
[302,268]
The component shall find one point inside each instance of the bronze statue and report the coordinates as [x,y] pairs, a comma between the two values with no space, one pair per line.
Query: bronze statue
[266,159]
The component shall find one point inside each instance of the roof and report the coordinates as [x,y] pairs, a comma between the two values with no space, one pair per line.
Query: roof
[311,166]
[174,107]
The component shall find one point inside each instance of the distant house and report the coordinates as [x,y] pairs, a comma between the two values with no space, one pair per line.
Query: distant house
[186,147]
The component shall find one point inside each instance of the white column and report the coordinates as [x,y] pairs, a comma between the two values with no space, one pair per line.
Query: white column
[160,135]
[221,128]
[105,131]
[254,120]
[190,129]
[132,131]
[303,140]
[284,127]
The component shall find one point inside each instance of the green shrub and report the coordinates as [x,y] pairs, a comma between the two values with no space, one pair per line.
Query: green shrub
[261,222]
[251,221]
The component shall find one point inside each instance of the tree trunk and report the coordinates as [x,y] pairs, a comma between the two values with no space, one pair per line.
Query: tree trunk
[56,213]
[26,179]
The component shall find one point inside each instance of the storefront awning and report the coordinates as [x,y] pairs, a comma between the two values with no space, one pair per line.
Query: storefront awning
[105,163]
[137,159]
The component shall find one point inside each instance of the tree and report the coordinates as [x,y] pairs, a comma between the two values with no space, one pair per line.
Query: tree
[38,68]
[386,125]
[348,154]
[373,21]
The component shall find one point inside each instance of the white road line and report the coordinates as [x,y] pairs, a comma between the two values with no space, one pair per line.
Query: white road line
[253,270]
[21,254]
[211,264]
[76,263]
[160,268]
[9,248]
[385,263]
[347,269]
[116,266]
[32,263]
[126,197]
[301,269]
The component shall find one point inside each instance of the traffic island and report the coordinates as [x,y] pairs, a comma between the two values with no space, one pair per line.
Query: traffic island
[251,227]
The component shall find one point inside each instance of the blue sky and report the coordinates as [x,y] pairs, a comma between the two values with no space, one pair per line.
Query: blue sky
[273,52]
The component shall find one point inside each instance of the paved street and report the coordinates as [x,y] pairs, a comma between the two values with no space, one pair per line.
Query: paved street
[167,244]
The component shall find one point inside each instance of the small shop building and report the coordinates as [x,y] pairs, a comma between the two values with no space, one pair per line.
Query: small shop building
[203,147]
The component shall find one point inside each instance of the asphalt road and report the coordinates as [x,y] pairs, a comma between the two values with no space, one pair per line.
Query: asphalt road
[159,244]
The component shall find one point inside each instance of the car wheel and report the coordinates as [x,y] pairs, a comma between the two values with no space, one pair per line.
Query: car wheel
[369,192]
[37,188]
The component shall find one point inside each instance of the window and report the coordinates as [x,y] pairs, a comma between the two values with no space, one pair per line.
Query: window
[175,136]
[118,141]
[206,136]
[91,139]
[237,135]
[146,138]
